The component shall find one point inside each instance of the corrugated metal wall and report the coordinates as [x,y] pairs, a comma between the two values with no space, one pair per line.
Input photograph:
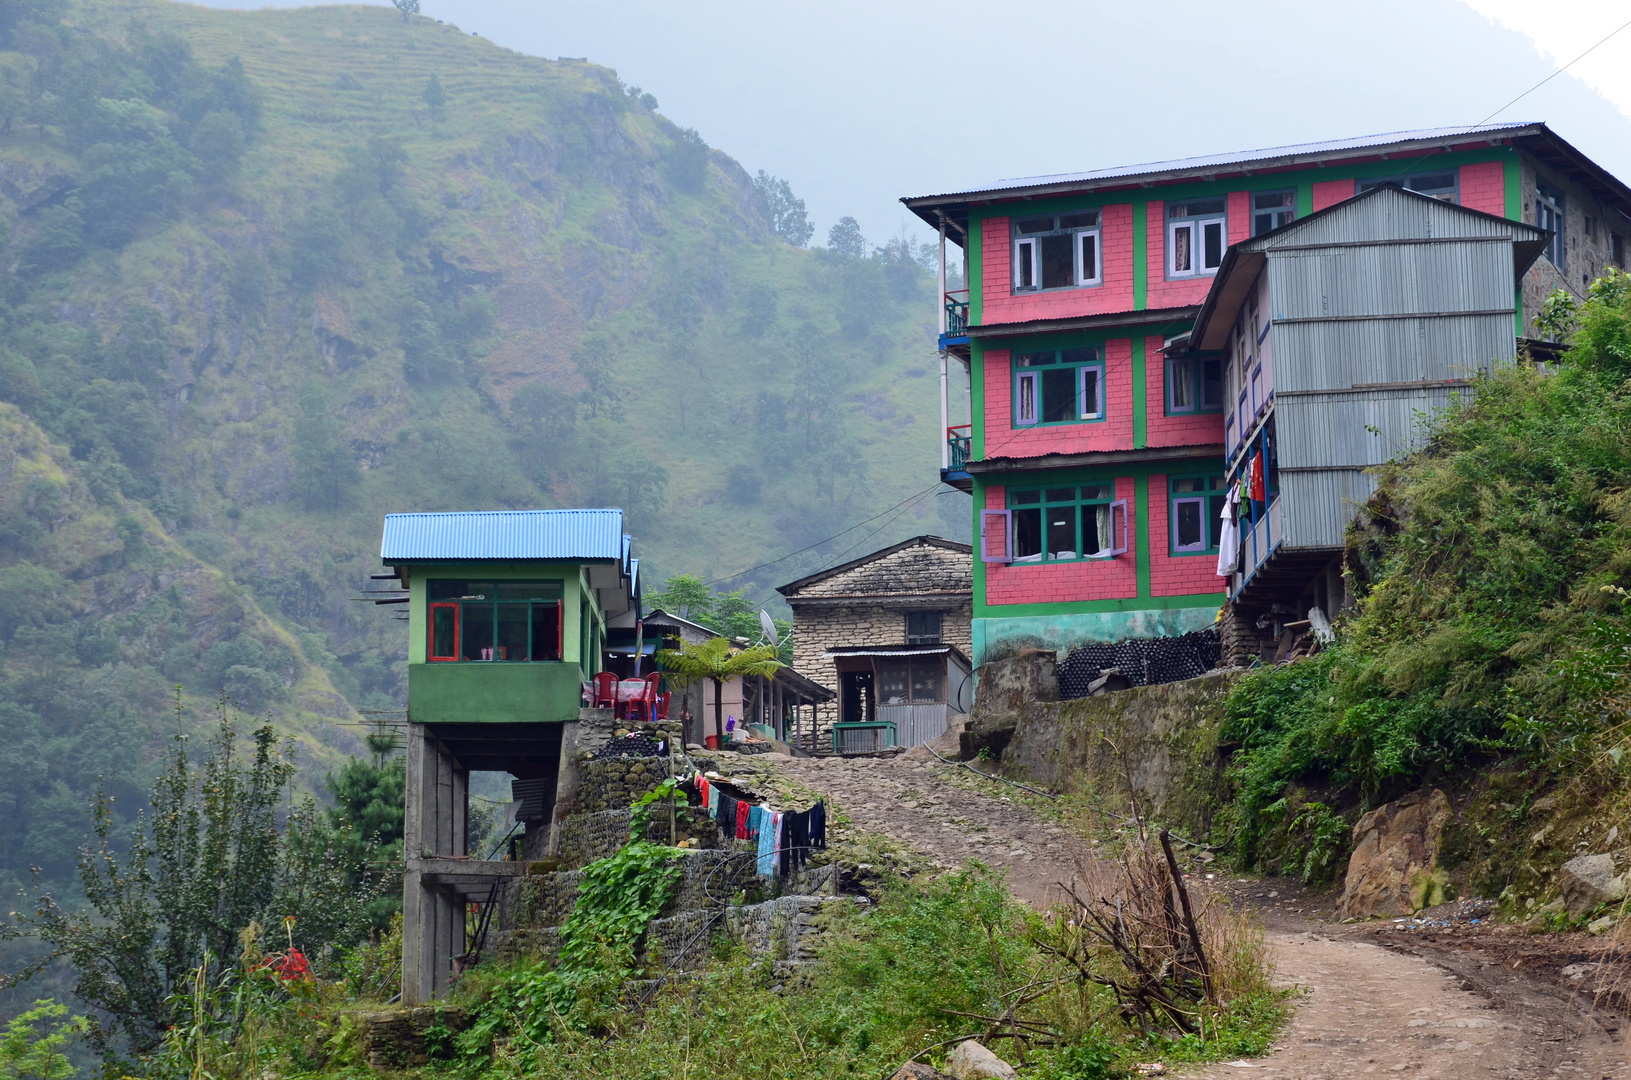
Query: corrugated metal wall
[1319,505]
[1366,428]
[1391,289]
[1340,354]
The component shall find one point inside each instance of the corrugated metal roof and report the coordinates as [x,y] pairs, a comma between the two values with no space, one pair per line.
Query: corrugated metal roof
[1263,158]
[505,534]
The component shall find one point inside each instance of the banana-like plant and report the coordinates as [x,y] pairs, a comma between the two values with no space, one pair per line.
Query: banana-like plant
[713,660]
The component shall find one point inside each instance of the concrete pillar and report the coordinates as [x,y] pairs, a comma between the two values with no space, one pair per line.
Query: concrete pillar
[435,822]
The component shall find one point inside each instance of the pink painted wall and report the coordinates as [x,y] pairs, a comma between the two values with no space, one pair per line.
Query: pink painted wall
[1114,432]
[1331,192]
[1089,579]
[1483,187]
[1186,429]
[1001,305]
[1163,293]
[1175,575]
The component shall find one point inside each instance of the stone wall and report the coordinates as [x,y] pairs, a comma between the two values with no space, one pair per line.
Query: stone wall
[785,931]
[1158,741]
[817,628]
[407,1038]
[617,782]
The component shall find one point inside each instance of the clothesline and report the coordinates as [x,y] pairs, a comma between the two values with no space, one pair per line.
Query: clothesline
[784,838]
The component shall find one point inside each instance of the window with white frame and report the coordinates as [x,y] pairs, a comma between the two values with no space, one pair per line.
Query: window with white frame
[1440,185]
[1272,209]
[1196,513]
[1058,386]
[1197,236]
[1194,384]
[1549,215]
[1065,523]
[1059,251]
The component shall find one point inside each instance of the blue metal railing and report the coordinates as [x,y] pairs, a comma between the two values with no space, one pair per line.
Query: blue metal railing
[961,441]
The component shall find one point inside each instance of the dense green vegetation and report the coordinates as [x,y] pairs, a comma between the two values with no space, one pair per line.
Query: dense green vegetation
[1491,628]
[267,276]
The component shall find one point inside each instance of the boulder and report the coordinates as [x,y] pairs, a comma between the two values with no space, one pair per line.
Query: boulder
[1394,867]
[1005,690]
[916,1070]
[1588,880]
[971,1061]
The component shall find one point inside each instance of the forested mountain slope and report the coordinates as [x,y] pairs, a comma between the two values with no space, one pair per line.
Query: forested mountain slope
[270,275]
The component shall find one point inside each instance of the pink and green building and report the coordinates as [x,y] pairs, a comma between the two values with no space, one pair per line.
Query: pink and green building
[1093,441]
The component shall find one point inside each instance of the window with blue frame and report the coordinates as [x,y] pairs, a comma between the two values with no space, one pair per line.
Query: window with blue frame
[1195,514]
[1194,385]
[1067,523]
[1060,251]
[1058,386]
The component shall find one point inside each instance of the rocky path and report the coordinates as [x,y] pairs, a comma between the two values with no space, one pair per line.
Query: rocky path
[1368,1009]
[908,799]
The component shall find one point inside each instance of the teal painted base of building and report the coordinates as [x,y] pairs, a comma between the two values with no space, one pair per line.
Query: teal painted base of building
[997,639]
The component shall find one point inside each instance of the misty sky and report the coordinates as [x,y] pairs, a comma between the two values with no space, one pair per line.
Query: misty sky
[859,103]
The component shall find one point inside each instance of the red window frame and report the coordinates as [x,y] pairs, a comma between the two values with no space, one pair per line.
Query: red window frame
[430,632]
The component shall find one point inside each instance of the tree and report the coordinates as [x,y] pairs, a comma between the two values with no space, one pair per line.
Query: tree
[845,240]
[685,595]
[788,219]
[433,94]
[213,858]
[714,661]
[688,161]
[35,1043]
[367,816]
[407,7]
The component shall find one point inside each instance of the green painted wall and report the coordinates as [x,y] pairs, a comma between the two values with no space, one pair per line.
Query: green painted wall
[501,692]
[493,693]
[570,574]
[997,638]
[1141,396]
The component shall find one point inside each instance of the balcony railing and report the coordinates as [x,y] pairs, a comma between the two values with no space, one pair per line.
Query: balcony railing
[957,313]
[961,441]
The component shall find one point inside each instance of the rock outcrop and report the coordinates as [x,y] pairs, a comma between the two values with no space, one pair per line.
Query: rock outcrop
[971,1061]
[1589,880]
[1394,867]
[1007,689]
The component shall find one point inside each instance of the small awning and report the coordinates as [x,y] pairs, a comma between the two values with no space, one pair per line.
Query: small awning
[845,651]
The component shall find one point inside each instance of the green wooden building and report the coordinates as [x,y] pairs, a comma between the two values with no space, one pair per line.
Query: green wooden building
[508,612]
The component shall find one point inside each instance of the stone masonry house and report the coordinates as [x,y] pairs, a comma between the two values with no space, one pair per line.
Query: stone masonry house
[889,634]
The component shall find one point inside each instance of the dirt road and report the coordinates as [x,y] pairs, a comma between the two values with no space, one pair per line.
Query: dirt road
[1374,1004]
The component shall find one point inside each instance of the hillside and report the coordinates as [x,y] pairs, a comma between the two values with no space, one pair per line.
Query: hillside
[271,275]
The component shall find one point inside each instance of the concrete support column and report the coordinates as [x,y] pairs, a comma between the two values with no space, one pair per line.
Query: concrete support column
[436,801]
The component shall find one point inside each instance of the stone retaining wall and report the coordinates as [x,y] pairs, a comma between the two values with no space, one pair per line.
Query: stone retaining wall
[1162,739]
[407,1038]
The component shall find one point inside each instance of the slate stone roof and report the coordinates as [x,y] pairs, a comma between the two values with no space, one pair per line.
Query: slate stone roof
[921,566]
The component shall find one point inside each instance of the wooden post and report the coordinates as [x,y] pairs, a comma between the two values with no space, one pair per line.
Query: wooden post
[1189,916]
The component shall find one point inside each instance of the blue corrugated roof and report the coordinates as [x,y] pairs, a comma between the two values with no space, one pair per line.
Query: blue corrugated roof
[505,534]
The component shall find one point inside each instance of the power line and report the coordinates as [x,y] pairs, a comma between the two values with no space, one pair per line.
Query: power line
[1413,164]
[1554,74]
[818,543]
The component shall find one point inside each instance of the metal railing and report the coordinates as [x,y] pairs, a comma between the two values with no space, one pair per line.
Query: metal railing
[961,441]
[957,312]
[916,722]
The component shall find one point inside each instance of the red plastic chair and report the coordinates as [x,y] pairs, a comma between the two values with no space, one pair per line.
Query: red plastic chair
[605,691]
[643,706]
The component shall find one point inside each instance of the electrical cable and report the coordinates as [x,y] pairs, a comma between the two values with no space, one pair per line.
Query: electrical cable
[818,543]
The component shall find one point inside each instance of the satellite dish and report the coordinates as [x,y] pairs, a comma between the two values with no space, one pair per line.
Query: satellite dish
[768,625]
